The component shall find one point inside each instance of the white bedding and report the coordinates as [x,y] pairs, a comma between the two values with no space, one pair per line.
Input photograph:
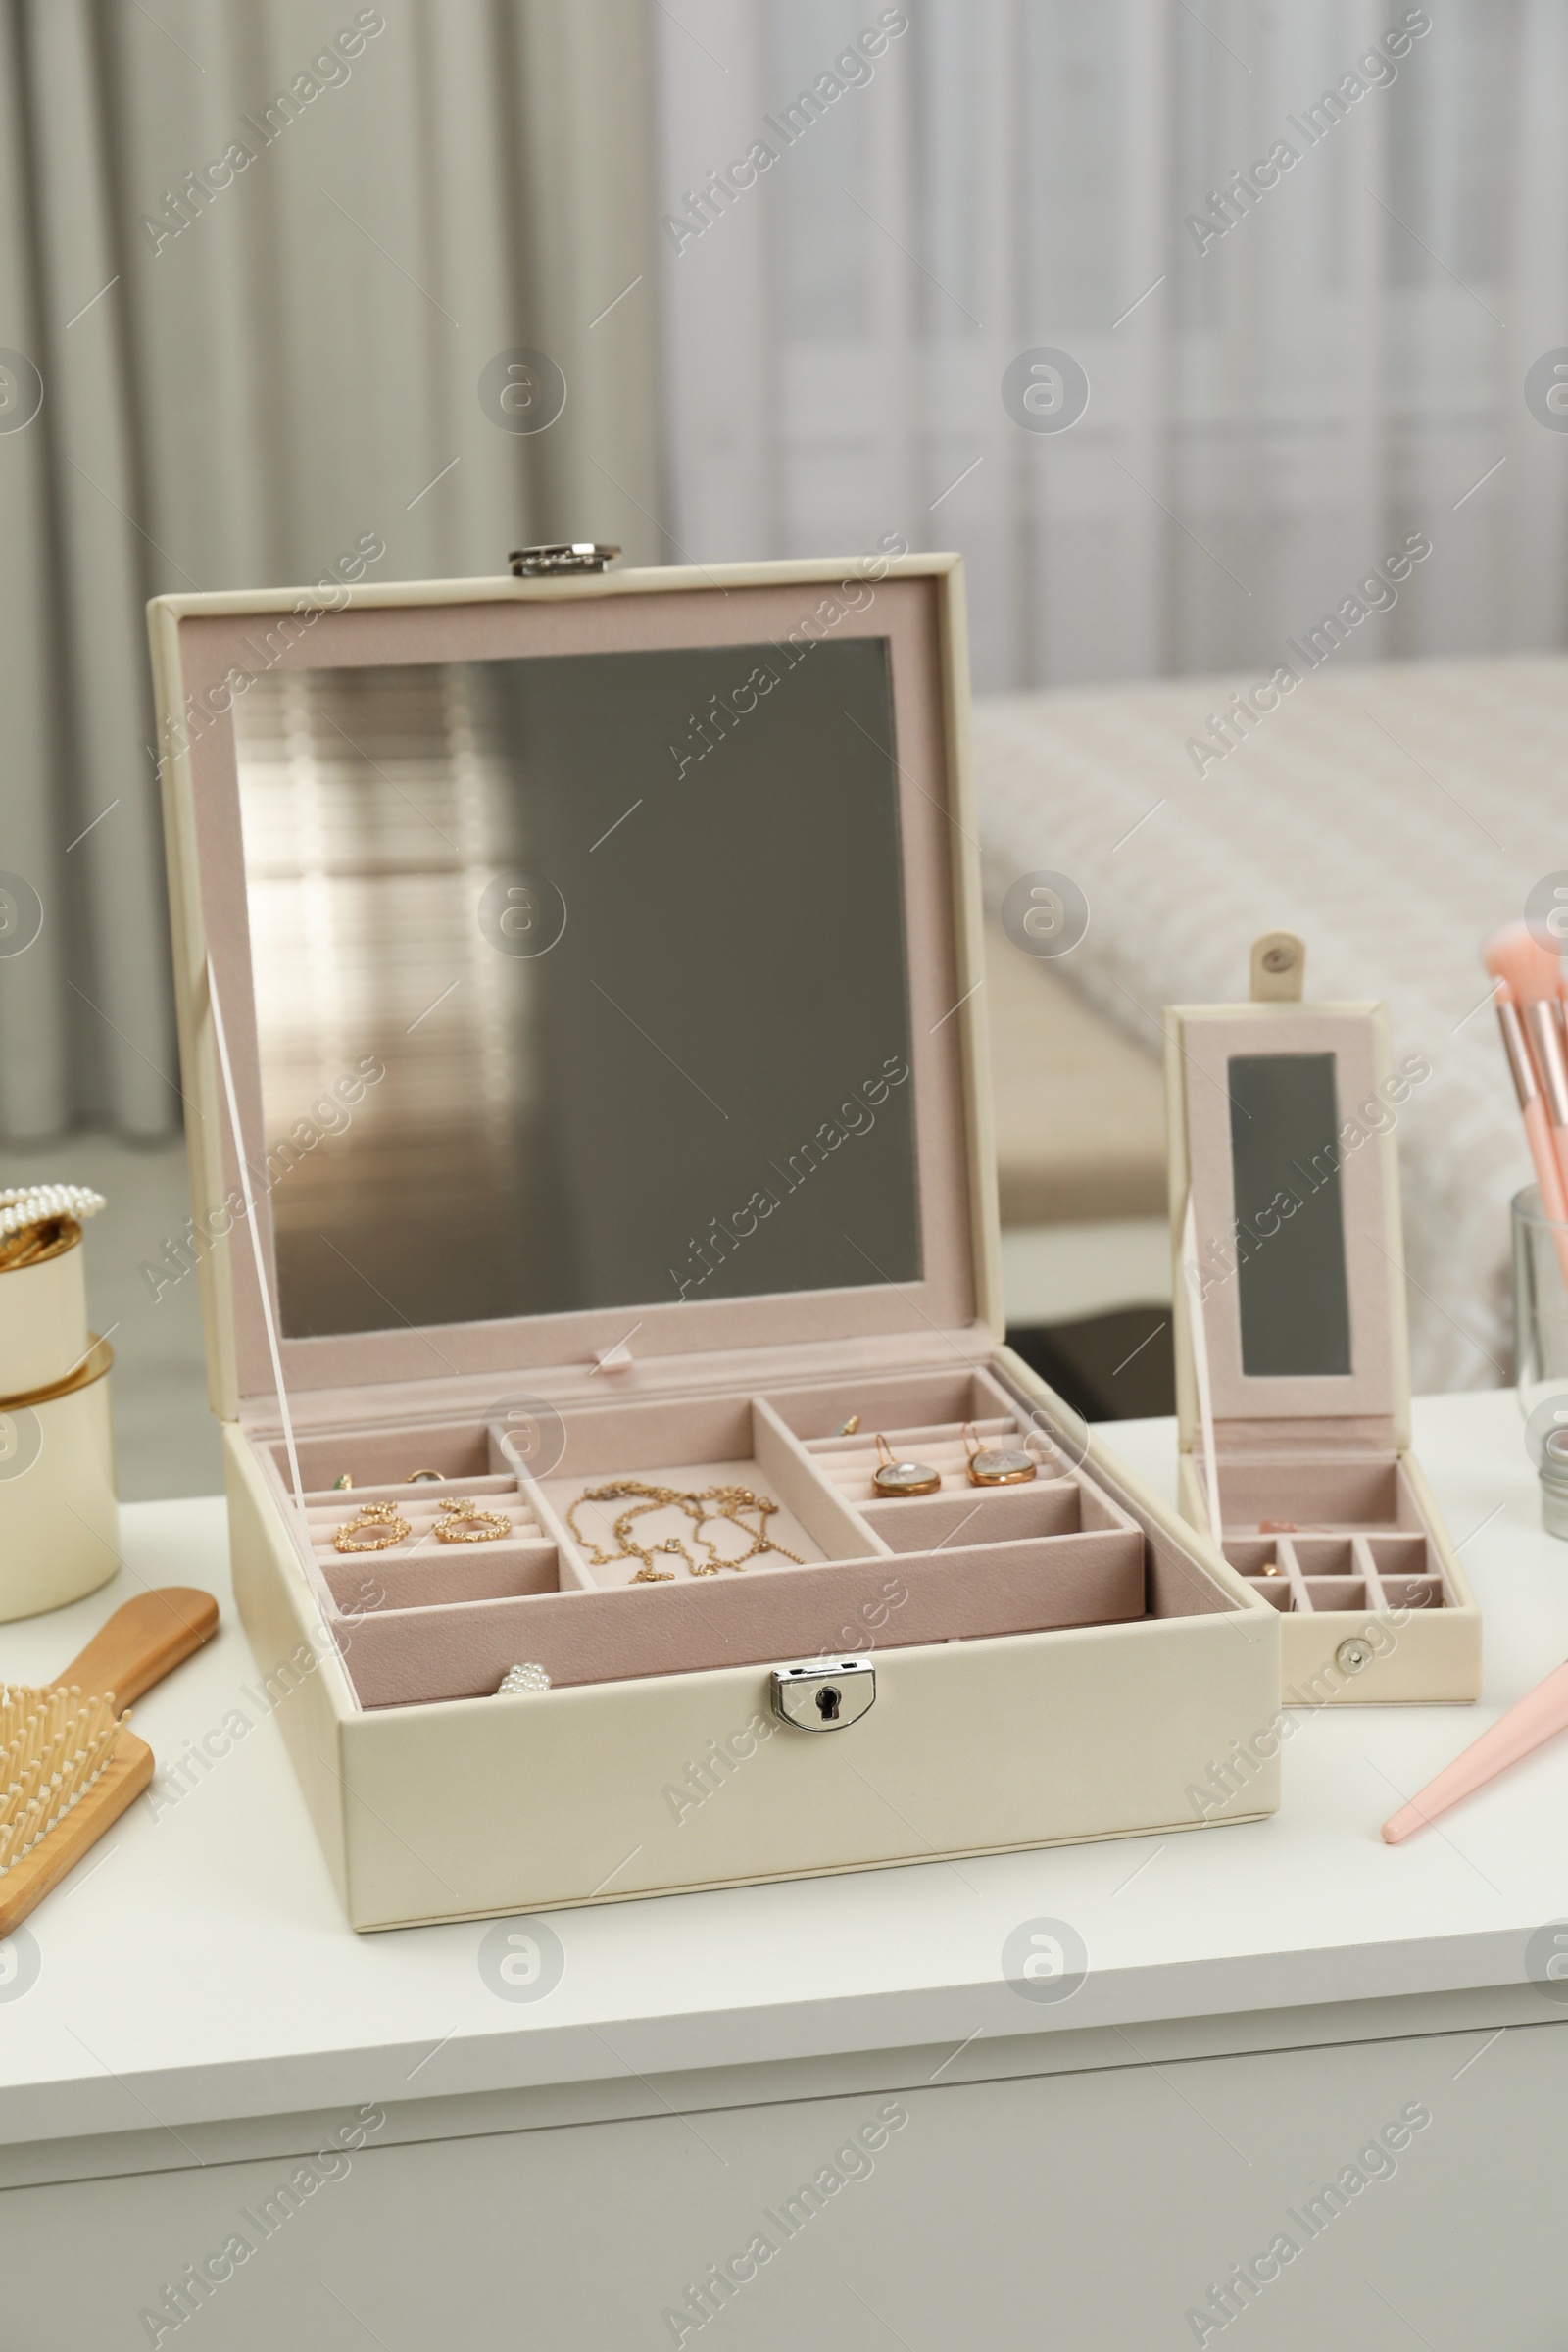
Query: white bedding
[1393,814]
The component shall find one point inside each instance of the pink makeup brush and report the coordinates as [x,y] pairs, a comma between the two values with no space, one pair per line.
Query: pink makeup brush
[1535,1718]
[1535,975]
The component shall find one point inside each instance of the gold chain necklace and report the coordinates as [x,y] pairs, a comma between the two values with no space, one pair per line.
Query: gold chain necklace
[728,1503]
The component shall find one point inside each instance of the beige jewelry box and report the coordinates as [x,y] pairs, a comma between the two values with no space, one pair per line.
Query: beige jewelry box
[1290,1313]
[591,965]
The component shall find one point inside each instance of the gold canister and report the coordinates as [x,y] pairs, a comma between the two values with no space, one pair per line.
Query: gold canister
[58,1517]
[43,1306]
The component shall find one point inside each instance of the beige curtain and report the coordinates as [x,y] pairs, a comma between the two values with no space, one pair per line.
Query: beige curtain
[253,370]
[1270,411]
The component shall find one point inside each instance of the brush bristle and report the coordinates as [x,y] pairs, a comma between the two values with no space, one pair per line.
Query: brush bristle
[54,1743]
[1516,956]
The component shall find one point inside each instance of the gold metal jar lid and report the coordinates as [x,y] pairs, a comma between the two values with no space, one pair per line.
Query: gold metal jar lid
[33,1245]
[90,1367]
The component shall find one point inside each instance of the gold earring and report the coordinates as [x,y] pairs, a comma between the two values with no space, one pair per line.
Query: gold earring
[467,1524]
[901,1477]
[997,1465]
[374,1527]
[343,1481]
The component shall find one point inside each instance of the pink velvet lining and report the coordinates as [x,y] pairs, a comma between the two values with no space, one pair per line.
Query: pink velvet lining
[424,1621]
[1314,1533]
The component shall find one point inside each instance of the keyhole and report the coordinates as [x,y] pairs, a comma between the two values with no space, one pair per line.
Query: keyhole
[827,1702]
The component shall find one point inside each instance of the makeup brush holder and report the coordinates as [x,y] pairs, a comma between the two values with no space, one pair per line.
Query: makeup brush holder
[59,1518]
[1541,1348]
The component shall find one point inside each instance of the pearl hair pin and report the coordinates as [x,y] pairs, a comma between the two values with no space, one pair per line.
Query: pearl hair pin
[519,1678]
[29,1205]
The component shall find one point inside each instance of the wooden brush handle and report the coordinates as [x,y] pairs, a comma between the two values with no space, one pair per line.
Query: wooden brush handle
[143,1642]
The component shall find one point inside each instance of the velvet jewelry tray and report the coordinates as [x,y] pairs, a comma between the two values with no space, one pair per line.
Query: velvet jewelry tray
[1352,1549]
[424,1620]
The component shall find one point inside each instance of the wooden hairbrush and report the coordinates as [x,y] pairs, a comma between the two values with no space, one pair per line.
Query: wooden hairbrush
[68,1766]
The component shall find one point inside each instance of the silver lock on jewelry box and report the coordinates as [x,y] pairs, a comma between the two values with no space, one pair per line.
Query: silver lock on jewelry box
[818,1698]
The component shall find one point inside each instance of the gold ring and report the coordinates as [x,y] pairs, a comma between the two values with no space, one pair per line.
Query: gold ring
[425,1478]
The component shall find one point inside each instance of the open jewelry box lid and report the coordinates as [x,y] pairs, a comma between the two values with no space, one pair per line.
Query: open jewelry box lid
[597,962]
[1281,1119]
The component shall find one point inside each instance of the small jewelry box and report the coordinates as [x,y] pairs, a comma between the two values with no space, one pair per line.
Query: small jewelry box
[1292,1363]
[590,965]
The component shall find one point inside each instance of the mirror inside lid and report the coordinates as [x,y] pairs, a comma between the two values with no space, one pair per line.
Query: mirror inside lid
[593,951]
[1283,1125]
[610,962]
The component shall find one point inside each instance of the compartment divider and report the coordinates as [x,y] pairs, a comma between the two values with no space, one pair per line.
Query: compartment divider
[1366,1566]
[575,1572]
[817,1499]
[1300,1598]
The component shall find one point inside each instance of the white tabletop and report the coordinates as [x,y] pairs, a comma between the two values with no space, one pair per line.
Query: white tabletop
[196,1966]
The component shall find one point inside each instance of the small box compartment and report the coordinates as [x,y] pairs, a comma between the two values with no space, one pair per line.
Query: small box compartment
[1408,1568]
[698,1447]
[1056,1506]
[1279,1493]
[417,1569]
[1260,1563]
[1326,1564]
[936,1419]
[1361,1542]
[425,1510]
[383,1460]
[473,1572]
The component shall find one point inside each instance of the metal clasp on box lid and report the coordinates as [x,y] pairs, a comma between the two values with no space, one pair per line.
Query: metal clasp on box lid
[818,1698]
[566,555]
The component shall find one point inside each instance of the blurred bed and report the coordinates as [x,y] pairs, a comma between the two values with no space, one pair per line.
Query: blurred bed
[1391,813]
